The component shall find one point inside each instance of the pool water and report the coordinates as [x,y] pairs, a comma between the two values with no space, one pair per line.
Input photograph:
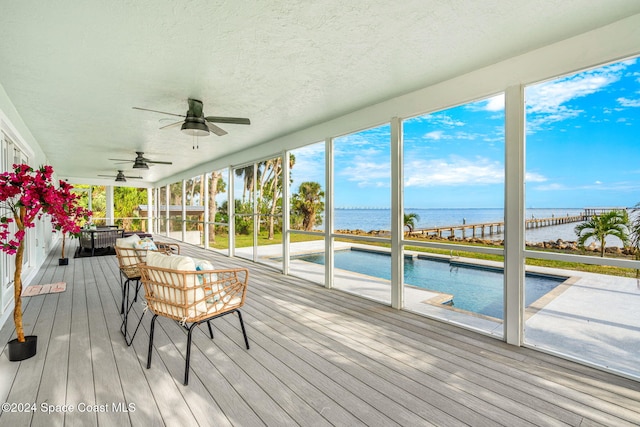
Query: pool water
[477,289]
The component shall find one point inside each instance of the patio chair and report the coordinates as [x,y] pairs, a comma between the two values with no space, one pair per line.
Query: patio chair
[170,248]
[130,255]
[175,289]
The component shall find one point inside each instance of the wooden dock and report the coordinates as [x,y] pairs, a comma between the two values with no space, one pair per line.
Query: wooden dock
[490,228]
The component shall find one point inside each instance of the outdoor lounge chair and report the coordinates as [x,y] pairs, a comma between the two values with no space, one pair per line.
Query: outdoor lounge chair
[175,289]
[128,261]
[129,258]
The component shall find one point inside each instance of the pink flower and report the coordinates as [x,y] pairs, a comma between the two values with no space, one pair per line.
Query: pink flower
[27,194]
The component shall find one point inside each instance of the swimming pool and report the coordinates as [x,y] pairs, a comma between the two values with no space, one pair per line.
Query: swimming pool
[478,289]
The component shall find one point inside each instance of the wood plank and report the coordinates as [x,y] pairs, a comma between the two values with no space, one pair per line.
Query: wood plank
[415,363]
[396,385]
[311,385]
[106,376]
[38,320]
[138,403]
[165,377]
[550,400]
[80,377]
[317,357]
[54,375]
[288,406]
[9,370]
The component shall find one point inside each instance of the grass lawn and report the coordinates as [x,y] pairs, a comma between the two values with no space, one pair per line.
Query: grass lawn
[243,241]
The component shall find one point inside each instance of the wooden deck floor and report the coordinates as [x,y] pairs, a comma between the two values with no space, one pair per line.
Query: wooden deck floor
[318,357]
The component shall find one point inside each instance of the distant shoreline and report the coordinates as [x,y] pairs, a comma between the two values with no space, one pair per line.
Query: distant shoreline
[380,219]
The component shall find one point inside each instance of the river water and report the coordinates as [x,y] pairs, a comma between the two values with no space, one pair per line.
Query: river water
[380,219]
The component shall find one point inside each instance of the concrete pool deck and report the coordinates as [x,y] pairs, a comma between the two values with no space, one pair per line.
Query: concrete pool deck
[595,318]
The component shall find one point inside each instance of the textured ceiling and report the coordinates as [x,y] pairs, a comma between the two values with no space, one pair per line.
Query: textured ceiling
[74,69]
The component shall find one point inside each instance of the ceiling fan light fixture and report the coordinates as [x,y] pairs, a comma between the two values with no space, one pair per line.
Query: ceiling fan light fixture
[194,127]
[140,165]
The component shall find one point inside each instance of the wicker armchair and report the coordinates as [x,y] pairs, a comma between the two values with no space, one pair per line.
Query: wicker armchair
[128,261]
[169,248]
[192,297]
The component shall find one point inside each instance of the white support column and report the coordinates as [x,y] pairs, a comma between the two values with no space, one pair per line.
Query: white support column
[109,215]
[156,210]
[205,206]
[514,215]
[286,189]
[184,210]
[397,222]
[328,214]
[231,208]
[167,209]
[256,223]
[150,210]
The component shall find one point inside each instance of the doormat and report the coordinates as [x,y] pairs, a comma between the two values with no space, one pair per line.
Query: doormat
[52,288]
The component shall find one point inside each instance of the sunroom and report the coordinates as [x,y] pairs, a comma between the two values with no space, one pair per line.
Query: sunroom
[405,182]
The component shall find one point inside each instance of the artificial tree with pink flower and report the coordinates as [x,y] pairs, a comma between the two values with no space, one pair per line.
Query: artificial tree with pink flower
[68,214]
[26,194]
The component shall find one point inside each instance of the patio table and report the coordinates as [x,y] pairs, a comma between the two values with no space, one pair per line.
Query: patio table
[100,238]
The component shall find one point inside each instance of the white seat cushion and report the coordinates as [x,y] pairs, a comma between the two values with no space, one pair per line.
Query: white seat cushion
[127,242]
[194,292]
[125,247]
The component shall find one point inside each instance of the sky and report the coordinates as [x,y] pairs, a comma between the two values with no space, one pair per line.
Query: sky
[582,150]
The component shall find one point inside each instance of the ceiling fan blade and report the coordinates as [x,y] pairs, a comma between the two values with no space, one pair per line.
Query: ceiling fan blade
[156,111]
[172,125]
[121,160]
[108,176]
[158,162]
[133,177]
[215,129]
[232,120]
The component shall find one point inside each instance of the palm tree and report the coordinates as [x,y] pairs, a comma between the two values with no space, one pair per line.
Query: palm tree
[410,220]
[246,173]
[634,231]
[216,185]
[612,223]
[308,204]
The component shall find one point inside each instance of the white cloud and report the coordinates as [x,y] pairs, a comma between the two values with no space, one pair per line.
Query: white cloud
[367,173]
[626,102]
[619,187]
[313,152]
[453,172]
[551,101]
[371,142]
[534,177]
[551,187]
[442,120]
[309,164]
[435,135]
[495,103]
